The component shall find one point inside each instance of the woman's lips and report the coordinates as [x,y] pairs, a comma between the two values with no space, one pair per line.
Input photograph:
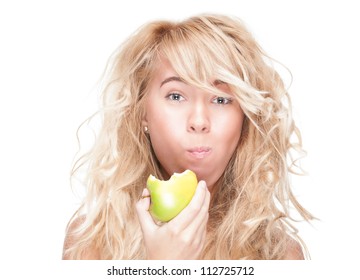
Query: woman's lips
[199,152]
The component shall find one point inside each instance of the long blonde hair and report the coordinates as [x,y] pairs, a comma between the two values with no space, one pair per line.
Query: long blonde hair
[249,213]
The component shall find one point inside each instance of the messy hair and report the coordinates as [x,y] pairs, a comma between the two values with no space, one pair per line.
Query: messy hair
[249,215]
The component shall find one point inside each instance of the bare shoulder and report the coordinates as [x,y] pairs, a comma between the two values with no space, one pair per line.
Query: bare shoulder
[71,241]
[294,251]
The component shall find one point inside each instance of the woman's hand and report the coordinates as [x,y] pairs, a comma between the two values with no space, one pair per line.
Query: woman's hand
[181,238]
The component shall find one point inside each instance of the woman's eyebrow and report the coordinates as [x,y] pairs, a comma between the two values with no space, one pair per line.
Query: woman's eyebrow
[170,79]
[219,82]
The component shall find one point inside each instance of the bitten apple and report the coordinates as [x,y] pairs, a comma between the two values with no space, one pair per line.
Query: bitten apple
[169,198]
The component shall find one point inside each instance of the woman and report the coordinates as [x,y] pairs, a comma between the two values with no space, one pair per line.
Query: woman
[200,95]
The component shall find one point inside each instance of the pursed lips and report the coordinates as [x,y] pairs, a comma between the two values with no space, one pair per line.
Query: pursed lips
[199,152]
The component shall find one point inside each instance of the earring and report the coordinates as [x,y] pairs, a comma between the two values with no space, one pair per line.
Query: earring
[146,129]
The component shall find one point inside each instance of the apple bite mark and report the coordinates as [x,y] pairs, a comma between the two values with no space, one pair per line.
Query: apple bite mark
[169,198]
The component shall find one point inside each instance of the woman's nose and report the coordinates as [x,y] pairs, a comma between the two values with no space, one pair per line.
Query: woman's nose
[199,119]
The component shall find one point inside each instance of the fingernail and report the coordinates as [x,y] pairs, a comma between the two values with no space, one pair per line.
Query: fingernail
[144,194]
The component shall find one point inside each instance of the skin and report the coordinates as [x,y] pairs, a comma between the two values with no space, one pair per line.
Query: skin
[180,119]
[191,129]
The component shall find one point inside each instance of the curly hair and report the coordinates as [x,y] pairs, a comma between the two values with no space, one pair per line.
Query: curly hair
[249,215]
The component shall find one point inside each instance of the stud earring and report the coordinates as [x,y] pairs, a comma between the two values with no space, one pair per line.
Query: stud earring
[146,129]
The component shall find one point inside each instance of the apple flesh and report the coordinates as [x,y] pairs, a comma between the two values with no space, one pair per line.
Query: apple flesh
[169,198]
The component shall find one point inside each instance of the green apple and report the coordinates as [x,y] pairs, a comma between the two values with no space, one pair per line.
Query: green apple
[169,198]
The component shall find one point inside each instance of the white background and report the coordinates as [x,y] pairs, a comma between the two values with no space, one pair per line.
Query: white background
[52,54]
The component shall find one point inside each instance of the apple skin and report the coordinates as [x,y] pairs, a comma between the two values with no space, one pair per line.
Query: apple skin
[169,198]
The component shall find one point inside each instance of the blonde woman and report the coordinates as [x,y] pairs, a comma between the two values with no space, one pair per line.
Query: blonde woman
[201,95]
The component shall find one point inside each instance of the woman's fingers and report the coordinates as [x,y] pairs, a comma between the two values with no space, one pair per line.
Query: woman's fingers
[198,205]
[196,230]
[142,209]
[181,238]
[200,220]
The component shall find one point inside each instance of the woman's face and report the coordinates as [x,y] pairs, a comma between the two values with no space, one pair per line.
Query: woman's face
[191,128]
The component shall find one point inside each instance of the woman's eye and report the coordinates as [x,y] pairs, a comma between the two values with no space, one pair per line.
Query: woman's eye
[222,100]
[175,97]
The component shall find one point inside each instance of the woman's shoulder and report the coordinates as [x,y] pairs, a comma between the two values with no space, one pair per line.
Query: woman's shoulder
[293,250]
[72,241]
[291,247]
